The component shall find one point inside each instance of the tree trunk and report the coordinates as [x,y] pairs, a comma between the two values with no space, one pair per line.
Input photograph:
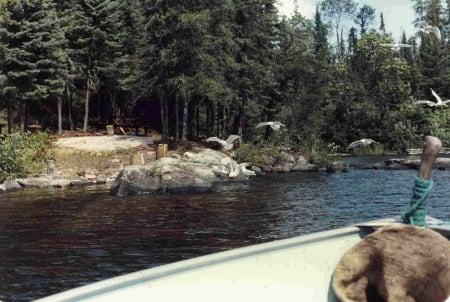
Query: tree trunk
[241,121]
[163,114]
[224,122]
[166,120]
[338,41]
[185,120]
[69,108]
[26,120]
[208,117]
[177,120]
[59,106]
[10,116]
[20,115]
[86,108]
[218,121]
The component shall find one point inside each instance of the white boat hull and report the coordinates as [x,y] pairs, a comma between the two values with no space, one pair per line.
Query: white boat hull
[295,269]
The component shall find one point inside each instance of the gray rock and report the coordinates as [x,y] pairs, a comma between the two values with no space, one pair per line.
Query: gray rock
[206,157]
[268,160]
[303,165]
[257,170]
[101,179]
[286,157]
[60,183]
[280,168]
[80,182]
[403,163]
[10,186]
[187,175]
[185,183]
[38,182]
[125,187]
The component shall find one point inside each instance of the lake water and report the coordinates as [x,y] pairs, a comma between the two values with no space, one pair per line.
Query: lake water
[53,240]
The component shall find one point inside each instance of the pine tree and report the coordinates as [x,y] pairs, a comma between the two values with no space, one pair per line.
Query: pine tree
[254,30]
[31,48]
[53,60]
[88,49]
[365,17]
[321,46]
[382,25]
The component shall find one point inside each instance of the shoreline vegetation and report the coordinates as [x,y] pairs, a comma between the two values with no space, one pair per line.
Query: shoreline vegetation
[37,161]
[212,68]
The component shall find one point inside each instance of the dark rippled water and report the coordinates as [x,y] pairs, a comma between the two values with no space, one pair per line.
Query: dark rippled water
[53,240]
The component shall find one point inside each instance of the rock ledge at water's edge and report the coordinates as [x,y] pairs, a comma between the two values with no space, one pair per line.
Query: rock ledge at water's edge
[191,172]
[402,164]
[194,173]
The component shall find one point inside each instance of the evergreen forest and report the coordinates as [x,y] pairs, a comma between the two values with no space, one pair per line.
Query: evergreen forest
[198,68]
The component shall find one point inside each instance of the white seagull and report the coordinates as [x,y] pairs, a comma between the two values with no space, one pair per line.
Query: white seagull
[274,125]
[362,142]
[226,144]
[396,46]
[227,167]
[424,27]
[245,171]
[439,102]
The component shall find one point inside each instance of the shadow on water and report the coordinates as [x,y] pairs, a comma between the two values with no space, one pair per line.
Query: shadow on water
[53,240]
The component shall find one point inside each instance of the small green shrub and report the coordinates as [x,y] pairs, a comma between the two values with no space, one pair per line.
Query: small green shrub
[323,155]
[256,154]
[248,153]
[373,149]
[22,153]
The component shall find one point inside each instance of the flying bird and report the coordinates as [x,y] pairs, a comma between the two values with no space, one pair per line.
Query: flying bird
[227,167]
[425,28]
[395,46]
[362,142]
[274,125]
[245,171]
[439,102]
[227,144]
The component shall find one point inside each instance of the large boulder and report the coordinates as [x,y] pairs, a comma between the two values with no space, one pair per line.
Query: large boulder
[301,164]
[189,174]
[10,186]
[192,173]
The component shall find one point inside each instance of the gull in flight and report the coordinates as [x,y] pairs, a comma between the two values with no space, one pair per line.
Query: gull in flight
[245,171]
[396,46]
[231,169]
[226,144]
[439,102]
[274,125]
[424,27]
[362,142]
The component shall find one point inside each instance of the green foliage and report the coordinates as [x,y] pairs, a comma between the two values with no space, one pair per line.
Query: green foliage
[257,155]
[373,149]
[22,153]
[440,123]
[248,153]
[402,129]
[322,154]
[223,66]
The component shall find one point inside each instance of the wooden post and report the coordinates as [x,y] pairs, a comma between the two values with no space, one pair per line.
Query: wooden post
[110,130]
[161,151]
[50,167]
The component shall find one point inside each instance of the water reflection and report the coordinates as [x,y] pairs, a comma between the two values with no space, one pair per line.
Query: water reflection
[51,240]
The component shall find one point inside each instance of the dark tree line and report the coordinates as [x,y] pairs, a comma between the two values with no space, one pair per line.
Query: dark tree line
[209,67]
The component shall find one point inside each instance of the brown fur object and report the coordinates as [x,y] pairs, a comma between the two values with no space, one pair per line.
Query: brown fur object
[401,263]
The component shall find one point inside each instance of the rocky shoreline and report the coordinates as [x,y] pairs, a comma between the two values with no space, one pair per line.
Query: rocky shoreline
[196,171]
[190,172]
